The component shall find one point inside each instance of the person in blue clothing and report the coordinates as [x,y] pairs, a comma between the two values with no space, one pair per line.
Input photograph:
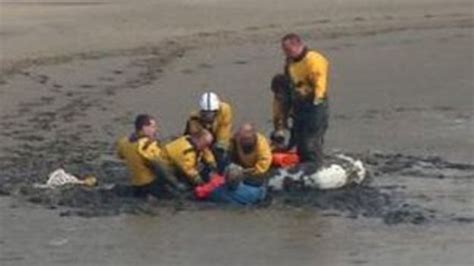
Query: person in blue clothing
[246,177]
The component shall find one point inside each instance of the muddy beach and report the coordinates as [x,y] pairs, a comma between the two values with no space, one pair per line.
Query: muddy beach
[401,101]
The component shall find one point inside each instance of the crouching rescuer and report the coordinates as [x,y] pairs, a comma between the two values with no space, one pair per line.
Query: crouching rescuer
[189,158]
[216,117]
[247,175]
[142,153]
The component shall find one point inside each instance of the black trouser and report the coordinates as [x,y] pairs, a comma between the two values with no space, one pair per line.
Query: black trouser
[155,188]
[222,158]
[309,126]
[163,186]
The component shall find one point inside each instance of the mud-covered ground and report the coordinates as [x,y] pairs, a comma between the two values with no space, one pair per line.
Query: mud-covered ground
[401,101]
[71,114]
[377,197]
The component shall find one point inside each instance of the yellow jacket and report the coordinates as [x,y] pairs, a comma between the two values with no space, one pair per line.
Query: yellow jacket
[139,154]
[221,129]
[259,161]
[182,158]
[310,76]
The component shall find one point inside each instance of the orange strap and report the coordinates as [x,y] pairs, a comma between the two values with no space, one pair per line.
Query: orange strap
[285,159]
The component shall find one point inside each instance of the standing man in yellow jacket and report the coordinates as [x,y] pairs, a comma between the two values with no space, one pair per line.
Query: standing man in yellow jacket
[142,153]
[189,157]
[216,117]
[308,73]
[251,156]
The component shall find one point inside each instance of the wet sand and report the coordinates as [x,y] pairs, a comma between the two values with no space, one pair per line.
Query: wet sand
[256,237]
[44,28]
[401,99]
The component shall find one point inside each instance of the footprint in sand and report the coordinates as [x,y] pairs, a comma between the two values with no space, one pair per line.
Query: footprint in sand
[240,62]
[442,108]
[109,91]
[322,21]
[86,86]
[205,65]
[47,100]
[187,71]
[107,79]
[333,48]
[24,110]
[252,28]
[342,117]
[42,79]
[348,45]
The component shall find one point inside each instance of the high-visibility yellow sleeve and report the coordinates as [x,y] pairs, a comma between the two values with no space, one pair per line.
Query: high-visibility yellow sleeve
[318,74]
[208,158]
[224,130]
[149,149]
[187,163]
[264,160]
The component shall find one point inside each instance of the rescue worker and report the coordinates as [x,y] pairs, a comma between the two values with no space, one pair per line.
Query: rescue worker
[189,158]
[308,73]
[215,116]
[141,152]
[245,184]
[281,107]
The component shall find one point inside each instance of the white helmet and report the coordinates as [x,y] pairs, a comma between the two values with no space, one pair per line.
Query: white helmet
[209,102]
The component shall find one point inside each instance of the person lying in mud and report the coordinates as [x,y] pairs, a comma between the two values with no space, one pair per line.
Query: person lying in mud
[307,71]
[142,153]
[216,116]
[189,158]
[251,159]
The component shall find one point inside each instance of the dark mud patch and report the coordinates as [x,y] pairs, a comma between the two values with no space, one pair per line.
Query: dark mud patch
[464,220]
[88,202]
[408,214]
[351,202]
[240,62]
[358,19]
[416,166]
[105,200]
[358,201]
[205,66]
[369,200]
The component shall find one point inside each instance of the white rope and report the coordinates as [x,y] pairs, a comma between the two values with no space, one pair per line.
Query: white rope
[58,178]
